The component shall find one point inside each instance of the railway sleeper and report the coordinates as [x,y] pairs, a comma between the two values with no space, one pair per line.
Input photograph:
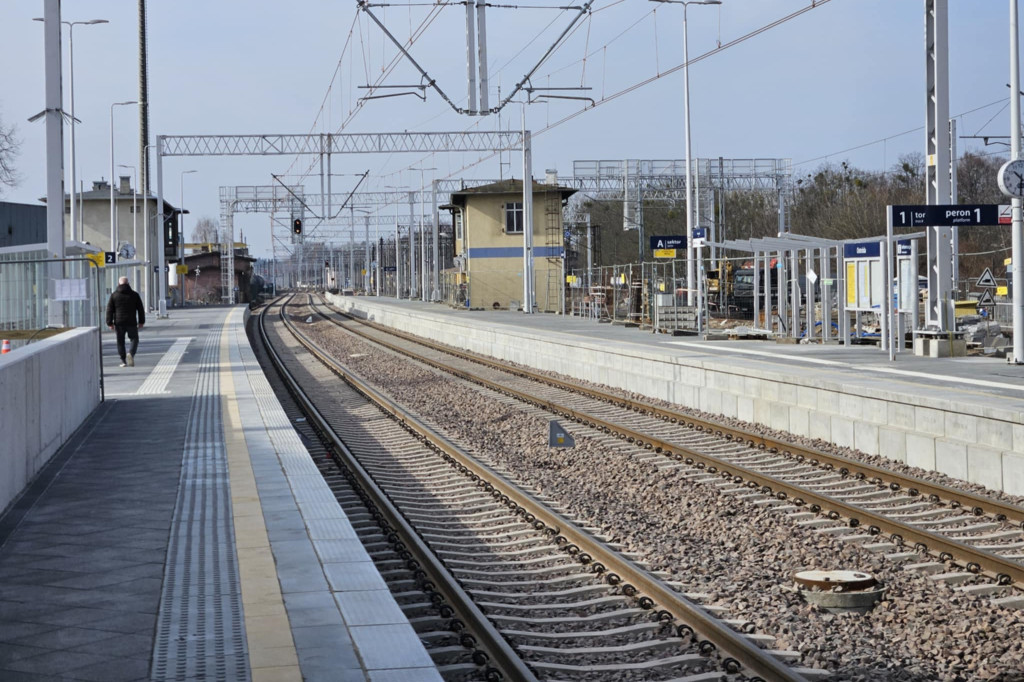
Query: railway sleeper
[573,620]
[572,571]
[598,650]
[926,567]
[969,532]
[693,660]
[836,531]
[1012,602]
[468,565]
[527,547]
[1006,547]
[604,601]
[583,589]
[636,628]
[527,584]
[952,578]
[984,589]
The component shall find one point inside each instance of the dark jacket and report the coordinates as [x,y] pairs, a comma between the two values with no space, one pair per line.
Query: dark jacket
[123,305]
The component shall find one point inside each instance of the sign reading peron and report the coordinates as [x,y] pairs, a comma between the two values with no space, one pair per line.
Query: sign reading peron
[924,215]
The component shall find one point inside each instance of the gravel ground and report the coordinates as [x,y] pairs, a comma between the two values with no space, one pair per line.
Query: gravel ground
[742,554]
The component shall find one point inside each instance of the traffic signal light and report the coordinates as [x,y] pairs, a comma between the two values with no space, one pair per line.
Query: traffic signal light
[297,226]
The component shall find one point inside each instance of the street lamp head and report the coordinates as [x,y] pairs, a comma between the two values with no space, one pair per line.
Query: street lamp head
[77,23]
[120,104]
[189,171]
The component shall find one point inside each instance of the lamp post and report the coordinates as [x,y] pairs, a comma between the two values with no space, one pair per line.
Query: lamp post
[135,214]
[113,209]
[146,230]
[423,241]
[686,115]
[75,214]
[181,235]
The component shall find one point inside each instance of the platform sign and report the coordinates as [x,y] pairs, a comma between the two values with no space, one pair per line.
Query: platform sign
[110,257]
[664,253]
[924,215]
[98,259]
[670,242]
[181,269]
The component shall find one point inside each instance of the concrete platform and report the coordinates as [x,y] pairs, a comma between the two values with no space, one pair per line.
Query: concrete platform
[960,416]
[181,534]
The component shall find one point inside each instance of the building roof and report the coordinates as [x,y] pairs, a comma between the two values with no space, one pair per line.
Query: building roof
[101,192]
[511,186]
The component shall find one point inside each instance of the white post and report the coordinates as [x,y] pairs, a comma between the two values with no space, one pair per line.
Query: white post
[689,167]
[1017,243]
[435,276]
[76,213]
[161,261]
[888,314]
[527,220]
[71,92]
[412,246]
[147,258]
[113,207]
[366,258]
[54,152]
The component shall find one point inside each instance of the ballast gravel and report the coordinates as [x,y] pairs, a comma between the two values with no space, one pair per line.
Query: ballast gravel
[741,555]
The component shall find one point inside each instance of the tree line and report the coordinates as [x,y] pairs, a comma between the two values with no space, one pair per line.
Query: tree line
[836,201]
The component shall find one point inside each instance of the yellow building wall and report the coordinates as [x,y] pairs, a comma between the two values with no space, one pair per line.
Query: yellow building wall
[495,282]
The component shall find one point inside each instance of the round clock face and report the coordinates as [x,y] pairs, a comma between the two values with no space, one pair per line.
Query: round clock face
[1011,178]
[127,252]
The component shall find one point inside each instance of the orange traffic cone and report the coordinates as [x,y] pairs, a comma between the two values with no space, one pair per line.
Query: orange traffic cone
[6,348]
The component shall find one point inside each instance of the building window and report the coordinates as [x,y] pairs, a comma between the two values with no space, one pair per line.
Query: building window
[458,226]
[514,218]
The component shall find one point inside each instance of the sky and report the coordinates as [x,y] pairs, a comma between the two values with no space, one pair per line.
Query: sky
[843,80]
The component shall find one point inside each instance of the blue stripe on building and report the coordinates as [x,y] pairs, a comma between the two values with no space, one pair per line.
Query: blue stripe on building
[514,252]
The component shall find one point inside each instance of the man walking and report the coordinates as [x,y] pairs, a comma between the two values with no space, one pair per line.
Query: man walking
[124,303]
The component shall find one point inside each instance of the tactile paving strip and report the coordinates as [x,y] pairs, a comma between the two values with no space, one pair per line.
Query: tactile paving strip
[201,632]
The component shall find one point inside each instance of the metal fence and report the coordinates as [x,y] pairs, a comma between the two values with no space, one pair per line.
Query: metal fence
[649,295]
[37,293]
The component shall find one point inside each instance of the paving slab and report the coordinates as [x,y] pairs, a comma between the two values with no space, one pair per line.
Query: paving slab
[128,557]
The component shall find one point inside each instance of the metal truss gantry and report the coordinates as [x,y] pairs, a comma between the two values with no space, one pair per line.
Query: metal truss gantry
[325,145]
[634,180]
[276,198]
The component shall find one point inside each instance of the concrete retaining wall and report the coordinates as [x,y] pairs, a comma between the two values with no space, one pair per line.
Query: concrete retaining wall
[47,389]
[977,442]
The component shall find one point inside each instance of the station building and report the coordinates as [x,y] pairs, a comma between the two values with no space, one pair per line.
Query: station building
[489,223]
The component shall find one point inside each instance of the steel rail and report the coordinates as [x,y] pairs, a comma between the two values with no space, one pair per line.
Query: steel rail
[577,541]
[1001,569]
[501,654]
[979,504]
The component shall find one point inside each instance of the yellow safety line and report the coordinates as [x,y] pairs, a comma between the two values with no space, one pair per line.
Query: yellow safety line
[272,655]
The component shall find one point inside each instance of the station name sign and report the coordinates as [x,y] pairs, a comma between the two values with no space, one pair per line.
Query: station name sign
[862,250]
[925,215]
[673,242]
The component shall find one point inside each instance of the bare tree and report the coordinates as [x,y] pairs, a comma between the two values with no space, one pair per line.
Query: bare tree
[9,147]
[205,231]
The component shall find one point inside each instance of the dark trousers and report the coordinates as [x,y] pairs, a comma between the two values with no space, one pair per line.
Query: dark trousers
[133,336]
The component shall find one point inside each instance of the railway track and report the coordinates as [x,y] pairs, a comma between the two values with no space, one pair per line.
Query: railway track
[532,594]
[955,536]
